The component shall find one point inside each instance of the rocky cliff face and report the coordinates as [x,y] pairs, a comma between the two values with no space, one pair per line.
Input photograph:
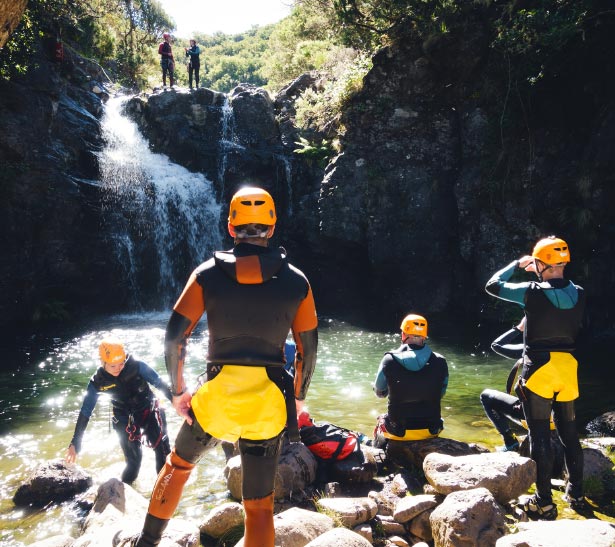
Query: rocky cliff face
[425,186]
[429,196]
[50,208]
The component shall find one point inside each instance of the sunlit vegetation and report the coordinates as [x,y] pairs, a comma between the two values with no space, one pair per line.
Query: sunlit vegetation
[118,34]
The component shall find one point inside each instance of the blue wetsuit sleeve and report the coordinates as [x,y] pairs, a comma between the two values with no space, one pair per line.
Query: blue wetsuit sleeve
[153,378]
[381,388]
[499,286]
[444,383]
[90,400]
[87,407]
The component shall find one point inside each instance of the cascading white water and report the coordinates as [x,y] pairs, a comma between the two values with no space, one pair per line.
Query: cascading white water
[228,141]
[155,203]
[288,172]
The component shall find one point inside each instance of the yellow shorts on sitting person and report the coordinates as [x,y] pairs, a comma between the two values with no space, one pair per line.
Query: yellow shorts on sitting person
[411,435]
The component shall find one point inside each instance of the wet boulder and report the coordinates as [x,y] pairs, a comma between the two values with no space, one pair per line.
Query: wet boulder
[222,519]
[602,425]
[412,453]
[561,533]
[350,511]
[359,467]
[470,517]
[505,474]
[297,527]
[52,481]
[339,536]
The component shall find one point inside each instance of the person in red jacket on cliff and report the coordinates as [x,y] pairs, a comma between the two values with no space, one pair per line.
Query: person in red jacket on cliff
[167,62]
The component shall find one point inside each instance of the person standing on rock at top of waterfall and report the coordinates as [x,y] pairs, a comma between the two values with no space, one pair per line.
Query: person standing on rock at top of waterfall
[415,379]
[194,65]
[252,297]
[136,411]
[548,381]
[167,63]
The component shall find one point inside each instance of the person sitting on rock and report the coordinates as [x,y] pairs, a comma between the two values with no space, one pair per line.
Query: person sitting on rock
[136,411]
[415,379]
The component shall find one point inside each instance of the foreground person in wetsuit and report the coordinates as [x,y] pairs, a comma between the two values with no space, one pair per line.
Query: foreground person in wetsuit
[136,412]
[252,297]
[554,310]
[415,379]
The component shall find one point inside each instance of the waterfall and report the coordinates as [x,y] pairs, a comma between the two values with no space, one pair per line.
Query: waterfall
[228,142]
[163,219]
[288,172]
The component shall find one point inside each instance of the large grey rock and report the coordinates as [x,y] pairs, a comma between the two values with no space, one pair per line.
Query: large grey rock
[351,511]
[505,474]
[297,527]
[467,519]
[117,517]
[409,507]
[420,526]
[221,519]
[598,470]
[338,537]
[412,453]
[603,425]
[561,533]
[52,481]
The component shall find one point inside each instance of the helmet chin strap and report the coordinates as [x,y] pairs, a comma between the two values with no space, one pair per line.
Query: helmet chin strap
[539,273]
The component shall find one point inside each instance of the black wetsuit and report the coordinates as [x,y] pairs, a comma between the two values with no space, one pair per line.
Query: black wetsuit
[252,297]
[553,311]
[135,413]
[194,65]
[415,380]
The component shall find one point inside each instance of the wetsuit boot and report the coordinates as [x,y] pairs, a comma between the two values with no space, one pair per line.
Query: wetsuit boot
[151,534]
[259,522]
[165,498]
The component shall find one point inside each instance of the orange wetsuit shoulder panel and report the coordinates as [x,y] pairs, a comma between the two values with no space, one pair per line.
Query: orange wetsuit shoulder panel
[191,303]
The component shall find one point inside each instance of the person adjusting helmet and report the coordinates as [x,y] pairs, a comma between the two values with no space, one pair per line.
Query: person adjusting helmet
[251,214]
[414,325]
[252,297]
[111,351]
[548,381]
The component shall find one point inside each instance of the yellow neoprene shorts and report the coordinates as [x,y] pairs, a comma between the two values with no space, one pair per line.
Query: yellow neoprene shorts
[556,378]
[240,402]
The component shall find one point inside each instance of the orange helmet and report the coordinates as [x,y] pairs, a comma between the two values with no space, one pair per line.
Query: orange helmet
[252,206]
[414,324]
[111,351]
[551,250]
